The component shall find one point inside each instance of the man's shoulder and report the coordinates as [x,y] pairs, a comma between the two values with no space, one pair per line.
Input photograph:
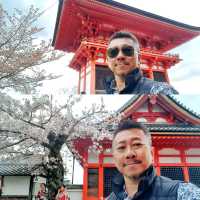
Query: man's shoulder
[166,185]
[188,191]
[165,179]
[156,87]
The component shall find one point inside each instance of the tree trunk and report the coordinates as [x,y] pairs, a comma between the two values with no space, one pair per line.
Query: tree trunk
[55,174]
[54,168]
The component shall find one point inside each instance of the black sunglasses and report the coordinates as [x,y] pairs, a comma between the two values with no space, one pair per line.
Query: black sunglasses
[126,50]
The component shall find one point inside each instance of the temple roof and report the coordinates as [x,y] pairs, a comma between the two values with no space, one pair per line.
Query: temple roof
[16,169]
[186,129]
[186,108]
[21,166]
[148,14]
[172,102]
[174,128]
[106,16]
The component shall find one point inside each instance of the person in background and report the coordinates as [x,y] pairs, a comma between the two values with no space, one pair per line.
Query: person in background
[62,193]
[41,195]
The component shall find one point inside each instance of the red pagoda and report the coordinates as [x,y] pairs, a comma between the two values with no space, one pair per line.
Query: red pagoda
[175,132]
[84,26]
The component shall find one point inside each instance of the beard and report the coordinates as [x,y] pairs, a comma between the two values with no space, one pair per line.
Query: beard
[138,176]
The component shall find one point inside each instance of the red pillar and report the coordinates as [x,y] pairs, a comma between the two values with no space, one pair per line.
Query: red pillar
[101,175]
[185,168]
[150,72]
[85,181]
[79,83]
[84,78]
[166,75]
[93,77]
[85,177]
[156,161]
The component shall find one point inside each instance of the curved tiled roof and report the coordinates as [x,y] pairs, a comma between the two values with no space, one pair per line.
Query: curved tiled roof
[20,166]
[129,9]
[175,100]
[128,103]
[148,14]
[172,98]
[57,20]
[8,169]
[174,128]
[168,128]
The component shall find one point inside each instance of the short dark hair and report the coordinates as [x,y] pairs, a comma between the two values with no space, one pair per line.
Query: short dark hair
[129,124]
[124,34]
[61,185]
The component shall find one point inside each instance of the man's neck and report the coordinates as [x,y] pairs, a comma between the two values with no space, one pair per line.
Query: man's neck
[131,185]
[120,82]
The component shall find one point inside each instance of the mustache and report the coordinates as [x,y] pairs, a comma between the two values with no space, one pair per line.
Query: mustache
[122,62]
[130,162]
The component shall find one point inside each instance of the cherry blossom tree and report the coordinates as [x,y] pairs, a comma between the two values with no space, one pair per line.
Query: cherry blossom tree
[21,52]
[42,126]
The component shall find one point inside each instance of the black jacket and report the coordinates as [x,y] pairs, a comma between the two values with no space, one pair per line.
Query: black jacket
[151,187]
[135,83]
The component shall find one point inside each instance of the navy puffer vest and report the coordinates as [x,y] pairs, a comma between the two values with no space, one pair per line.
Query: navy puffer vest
[151,187]
[135,83]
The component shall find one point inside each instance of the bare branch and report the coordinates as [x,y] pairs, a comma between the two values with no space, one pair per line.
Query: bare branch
[9,131]
[18,118]
[14,144]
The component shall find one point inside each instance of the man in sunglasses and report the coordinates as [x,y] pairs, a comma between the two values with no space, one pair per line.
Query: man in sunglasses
[123,60]
[137,180]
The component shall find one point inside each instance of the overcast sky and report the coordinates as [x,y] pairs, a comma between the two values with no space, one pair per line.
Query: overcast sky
[184,76]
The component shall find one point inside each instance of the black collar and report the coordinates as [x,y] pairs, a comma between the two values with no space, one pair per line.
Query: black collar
[147,178]
[131,81]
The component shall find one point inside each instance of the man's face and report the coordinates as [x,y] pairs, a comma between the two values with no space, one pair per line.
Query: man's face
[121,65]
[131,152]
